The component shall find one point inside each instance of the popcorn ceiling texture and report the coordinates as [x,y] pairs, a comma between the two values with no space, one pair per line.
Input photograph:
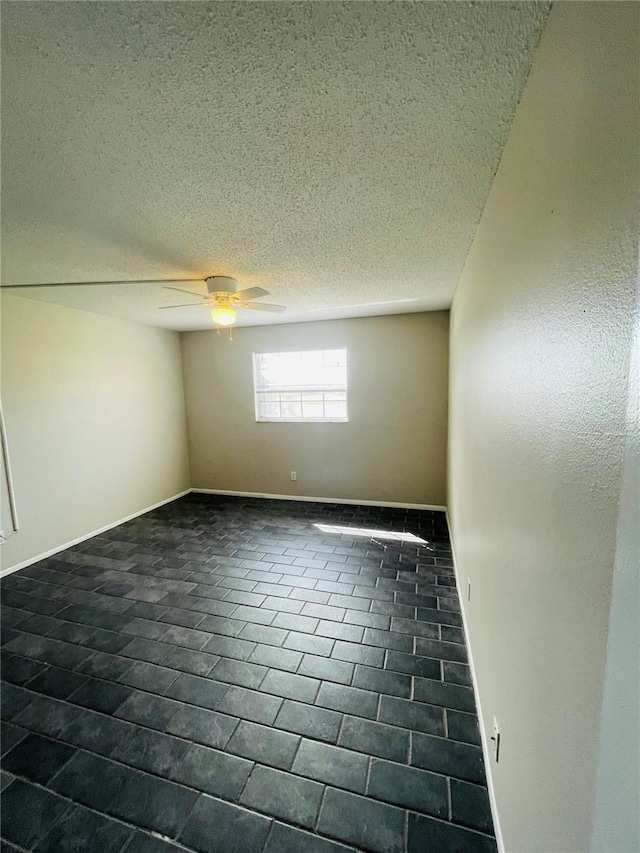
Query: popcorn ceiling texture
[339,154]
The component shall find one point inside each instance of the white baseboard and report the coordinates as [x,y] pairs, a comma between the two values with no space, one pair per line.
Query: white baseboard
[86,536]
[310,498]
[487,750]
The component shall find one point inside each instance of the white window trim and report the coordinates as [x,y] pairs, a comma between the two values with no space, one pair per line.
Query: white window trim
[302,420]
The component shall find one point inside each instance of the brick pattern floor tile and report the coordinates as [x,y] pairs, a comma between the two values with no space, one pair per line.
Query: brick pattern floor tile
[223,673]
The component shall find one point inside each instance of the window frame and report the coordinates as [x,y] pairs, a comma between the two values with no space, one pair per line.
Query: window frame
[301,389]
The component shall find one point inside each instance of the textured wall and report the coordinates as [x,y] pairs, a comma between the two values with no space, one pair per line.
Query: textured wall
[617,816]
[392,449]
[540,340]
[94,410]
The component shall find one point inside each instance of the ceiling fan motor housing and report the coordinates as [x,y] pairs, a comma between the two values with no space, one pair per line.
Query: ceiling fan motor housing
[221,283]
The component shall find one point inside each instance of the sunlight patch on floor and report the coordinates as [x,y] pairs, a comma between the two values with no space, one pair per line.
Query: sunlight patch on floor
[375,534]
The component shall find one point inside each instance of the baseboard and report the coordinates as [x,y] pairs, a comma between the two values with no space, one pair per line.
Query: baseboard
[486,745]
[83,538]
[311,499]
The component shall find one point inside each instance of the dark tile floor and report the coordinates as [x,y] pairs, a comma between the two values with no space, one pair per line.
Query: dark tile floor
[222,675]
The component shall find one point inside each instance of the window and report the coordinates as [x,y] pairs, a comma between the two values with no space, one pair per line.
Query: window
[301,386]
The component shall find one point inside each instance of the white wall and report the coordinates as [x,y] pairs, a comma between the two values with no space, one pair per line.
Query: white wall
[392,449]
[94,411]
[540,337]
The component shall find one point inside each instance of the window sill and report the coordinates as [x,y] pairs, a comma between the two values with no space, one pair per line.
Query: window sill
[302,420]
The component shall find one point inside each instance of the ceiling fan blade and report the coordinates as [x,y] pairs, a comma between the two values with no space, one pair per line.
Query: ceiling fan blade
[250,293]
[188,305]
[182,290]
[99,283]
[262,306]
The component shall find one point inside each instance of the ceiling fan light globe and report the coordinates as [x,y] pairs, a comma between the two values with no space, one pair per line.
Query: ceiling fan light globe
[223,316]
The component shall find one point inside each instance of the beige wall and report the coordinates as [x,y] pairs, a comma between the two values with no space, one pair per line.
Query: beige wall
[94,411]
[540,339]
[617,815]
[392,449]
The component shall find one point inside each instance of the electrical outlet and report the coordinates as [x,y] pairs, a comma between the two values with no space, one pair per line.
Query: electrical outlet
[294,476]
[495,739]
[468,589]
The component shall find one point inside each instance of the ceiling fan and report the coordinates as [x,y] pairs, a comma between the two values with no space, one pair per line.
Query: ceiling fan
[223,297]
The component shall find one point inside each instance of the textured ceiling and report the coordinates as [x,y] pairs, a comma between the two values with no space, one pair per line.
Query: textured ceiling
[338,154]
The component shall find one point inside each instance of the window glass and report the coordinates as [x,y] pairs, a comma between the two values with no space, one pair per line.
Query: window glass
[301,386]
